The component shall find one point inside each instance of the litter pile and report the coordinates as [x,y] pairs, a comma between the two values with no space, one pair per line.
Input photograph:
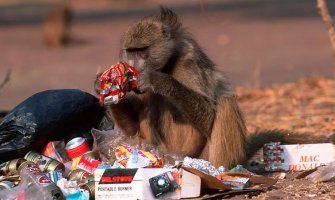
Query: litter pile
[126,172]
[57,148]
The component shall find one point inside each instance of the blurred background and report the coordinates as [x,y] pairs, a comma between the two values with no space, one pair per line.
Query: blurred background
[256,43]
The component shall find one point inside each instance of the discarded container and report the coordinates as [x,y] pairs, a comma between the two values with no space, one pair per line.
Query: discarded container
[40,179]
[56,150]
[6,185]
[45,163]
[11,167]
[78,175]
[297,157]
[77,147]
[90,187]
[134,184]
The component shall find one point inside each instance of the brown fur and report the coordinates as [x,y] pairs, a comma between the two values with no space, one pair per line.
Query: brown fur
[56,27]
[186,106]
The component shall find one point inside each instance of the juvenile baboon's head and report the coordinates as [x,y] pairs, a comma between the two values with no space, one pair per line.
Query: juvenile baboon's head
[150,42]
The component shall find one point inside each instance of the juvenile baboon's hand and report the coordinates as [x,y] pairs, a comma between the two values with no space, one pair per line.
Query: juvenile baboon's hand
[144,83]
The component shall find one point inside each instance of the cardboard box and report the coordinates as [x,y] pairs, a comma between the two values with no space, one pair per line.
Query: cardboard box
[297,157]
[134,184]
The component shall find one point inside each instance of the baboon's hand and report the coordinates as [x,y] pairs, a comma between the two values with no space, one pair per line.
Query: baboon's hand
[144,83]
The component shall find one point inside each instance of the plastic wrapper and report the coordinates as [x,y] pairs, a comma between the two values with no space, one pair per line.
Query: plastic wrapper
[27,190]
[203,165]
[51,115]
[104,142]
[72,191]
[125,155]
[115,82]
[323,173]
[238,168]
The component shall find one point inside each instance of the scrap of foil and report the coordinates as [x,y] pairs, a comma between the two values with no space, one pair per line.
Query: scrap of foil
[203,166]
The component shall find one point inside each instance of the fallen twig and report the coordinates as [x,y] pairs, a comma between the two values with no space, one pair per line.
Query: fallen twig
[6,80]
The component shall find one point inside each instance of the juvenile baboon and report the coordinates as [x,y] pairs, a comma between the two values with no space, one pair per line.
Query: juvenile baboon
[56,26]
[185,105]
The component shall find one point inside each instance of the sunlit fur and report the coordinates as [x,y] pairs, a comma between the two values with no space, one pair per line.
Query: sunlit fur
[186,106]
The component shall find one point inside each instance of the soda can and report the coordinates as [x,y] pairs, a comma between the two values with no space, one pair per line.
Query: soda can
[56,150]
[90,187]
[78,175]
[76,147]
[45,163]
[41,179]
[11,167]
[6,185]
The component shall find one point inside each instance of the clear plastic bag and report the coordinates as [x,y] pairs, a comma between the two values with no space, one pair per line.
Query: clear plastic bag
[28,189]
[323,173]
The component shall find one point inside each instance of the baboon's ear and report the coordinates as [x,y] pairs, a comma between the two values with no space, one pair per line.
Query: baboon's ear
[169,19]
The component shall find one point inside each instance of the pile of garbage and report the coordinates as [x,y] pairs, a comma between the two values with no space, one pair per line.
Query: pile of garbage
[51,148]
[84,173]
[56,145]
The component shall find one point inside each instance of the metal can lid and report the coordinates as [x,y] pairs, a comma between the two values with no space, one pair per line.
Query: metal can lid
[73,143]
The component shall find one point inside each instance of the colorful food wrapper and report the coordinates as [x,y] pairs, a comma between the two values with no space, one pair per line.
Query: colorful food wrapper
[116,82]
[124,154]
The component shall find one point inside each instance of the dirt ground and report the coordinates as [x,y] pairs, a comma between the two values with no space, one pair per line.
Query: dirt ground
[255,42]
[306,106]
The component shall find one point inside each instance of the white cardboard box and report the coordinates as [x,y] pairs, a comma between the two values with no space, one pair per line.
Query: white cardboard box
[134,184]
[297,157]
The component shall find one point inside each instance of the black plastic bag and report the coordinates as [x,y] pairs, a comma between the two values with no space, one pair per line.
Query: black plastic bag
[47,116]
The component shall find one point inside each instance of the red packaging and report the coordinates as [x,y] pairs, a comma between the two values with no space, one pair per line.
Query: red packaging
[88,164]
[77,147]
[116,82]
[56,150]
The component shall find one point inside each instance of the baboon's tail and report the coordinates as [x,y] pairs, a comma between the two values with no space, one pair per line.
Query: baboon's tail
[257,140]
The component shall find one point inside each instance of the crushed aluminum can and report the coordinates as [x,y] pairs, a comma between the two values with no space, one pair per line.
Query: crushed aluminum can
[56,150]
[78,175]
[46,164]
[86,160]
[11,167]
[90,187]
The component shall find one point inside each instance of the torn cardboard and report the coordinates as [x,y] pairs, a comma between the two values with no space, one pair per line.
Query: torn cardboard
[297,157]
[134,184]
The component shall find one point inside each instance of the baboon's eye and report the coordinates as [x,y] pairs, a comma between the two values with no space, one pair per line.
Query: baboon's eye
[132,50]
[141,52]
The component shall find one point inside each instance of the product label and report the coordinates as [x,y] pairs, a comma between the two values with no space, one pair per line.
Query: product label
[43,180]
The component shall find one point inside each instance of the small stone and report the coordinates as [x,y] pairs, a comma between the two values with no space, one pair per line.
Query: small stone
[311,195]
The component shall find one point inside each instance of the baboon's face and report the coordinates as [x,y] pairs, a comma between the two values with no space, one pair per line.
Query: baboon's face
[146,45]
